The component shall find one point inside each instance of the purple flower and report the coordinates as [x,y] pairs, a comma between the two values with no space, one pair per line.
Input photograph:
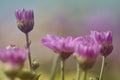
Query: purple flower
[103,38]
[63,46]
[25,20]
[87,50]
[86,53]
[13,56]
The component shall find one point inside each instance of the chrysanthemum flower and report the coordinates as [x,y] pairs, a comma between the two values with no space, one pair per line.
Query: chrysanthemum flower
[103,38]
[86,53]
[13,56]
[63,46]
[25,20]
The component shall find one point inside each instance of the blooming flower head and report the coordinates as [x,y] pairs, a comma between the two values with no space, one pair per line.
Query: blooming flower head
[63,46]
[103,38]
[86,53]
[13,56]
[25,20]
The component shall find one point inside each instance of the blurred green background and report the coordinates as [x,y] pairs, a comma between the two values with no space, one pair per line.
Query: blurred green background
[63,18]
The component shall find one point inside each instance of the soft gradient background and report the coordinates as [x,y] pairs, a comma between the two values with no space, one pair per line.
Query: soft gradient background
[63,18]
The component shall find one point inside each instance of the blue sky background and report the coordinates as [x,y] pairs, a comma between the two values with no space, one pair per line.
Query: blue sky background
[7,6]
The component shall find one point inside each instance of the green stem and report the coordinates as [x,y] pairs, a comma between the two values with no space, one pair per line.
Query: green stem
[84,75]
[28,47]
[102,67]
[62,69]
[54,67]
[78,71]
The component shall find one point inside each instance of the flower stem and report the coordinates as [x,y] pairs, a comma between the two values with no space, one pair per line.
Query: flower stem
[54,67]
[84,75]
[102,68]
[28,47]
[62,69]
[78,71]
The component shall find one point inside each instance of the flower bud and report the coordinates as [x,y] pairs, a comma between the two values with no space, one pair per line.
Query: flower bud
[25,20]
[35,65]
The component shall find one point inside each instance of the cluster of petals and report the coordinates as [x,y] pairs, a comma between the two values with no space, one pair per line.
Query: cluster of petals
[16,56]
[24,15]
[70,45]
[103,38]
[58,44]
[61,45]
[86,49]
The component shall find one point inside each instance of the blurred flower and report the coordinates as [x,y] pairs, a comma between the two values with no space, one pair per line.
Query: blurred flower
[25,20]
[86,53]
[13,57]
[63,46]
[103,38]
